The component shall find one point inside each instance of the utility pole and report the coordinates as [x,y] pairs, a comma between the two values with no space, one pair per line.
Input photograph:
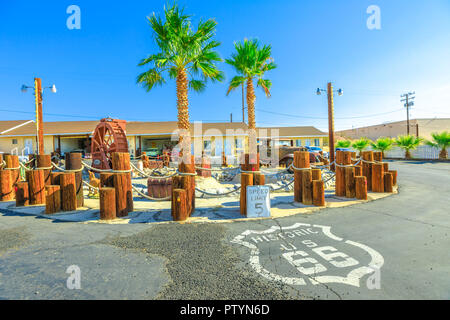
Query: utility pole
[38,90]
[39,122]
[331,120]
[409,102]
[330,95]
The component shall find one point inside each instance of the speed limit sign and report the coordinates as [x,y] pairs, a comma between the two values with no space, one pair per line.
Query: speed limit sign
[258,201]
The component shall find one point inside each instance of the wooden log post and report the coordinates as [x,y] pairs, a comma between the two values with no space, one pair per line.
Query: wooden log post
[316,174]
[1,159]
[367,168]
[68,192]
[180,211]
[44,162]
[188,182]
[386,167]
[120,185]
[36,186]
[361,187]
[224,160]
[301,161]
[378,156]
[318,193]
[259,179]
[358,171]
[12,164]
[340,174]
[121,162]
[107,180]
[52,199]
[388,182]
[307,187]
[107,203]
[6,186]
[246,180]
[32,160]
[22,194]
[55,178]
[73,162]
[353,157]
[377,177]
[350,191]
[394,176]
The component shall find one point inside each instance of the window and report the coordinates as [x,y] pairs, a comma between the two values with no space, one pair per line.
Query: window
[307,142]
[14,141]
[317,142]
[298,143]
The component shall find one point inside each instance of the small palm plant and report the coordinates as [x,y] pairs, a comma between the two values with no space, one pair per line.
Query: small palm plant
[185,55]
[343,144]
[383,144]
[408,143]
[361,144]
[440,141]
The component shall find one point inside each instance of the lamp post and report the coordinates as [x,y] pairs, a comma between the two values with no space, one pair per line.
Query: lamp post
[330,94]
[38,91]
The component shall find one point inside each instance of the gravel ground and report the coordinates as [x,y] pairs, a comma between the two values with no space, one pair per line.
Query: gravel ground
[200,265]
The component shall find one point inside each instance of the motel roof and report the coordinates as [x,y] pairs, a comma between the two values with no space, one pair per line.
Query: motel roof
[24,128]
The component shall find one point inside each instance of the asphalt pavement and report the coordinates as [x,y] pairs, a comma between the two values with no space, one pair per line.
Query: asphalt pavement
[393,248]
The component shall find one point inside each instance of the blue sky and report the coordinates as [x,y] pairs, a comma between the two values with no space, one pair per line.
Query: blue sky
[313,42]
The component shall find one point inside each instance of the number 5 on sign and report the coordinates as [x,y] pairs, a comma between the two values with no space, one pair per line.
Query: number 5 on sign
[258,201]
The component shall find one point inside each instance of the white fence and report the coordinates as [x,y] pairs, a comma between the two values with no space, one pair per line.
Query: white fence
[422,152]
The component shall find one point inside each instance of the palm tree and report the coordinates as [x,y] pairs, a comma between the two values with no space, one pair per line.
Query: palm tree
[361,144]
[251,60]
[440,141]
[343,144]
[185,55]
[383,144]
[408,143]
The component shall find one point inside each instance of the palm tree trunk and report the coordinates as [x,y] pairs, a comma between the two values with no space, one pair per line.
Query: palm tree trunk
[183,114]
[443,154]
[407,154]
[251,121]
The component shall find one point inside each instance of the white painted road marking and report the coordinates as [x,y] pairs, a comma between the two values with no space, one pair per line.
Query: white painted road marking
[303,248]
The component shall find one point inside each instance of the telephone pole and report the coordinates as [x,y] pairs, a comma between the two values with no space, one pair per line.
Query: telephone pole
[38,91]
[408,99]
[330,95]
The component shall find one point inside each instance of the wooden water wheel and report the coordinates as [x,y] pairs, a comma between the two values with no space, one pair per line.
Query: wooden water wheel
[109,136]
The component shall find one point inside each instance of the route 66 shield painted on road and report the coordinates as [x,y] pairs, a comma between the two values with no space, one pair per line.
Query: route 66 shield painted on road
[304,254]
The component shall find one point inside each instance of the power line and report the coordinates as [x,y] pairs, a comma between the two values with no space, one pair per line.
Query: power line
[325,118]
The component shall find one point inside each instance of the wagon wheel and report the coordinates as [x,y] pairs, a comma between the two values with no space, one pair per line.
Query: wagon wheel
[109,136]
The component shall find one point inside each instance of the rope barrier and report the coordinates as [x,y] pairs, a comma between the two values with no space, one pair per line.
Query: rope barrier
[217,194]
[65,170]
[217,169]
[90,186]
[152,176]
[348,165]
[105,170]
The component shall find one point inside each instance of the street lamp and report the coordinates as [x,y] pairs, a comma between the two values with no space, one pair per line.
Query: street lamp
[38,92]
[330,94]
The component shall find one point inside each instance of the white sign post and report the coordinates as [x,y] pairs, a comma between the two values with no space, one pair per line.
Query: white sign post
[258,201]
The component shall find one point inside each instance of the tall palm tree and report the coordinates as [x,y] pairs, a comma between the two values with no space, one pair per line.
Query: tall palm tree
[251,61]
[361,144]
[440,141]
[185,55]
[383,144]
[408,143]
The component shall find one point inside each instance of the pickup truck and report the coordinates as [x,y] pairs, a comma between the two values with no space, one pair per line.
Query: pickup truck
[286,156]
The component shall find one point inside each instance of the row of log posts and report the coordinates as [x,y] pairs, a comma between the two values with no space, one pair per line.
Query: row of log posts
[351,179]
